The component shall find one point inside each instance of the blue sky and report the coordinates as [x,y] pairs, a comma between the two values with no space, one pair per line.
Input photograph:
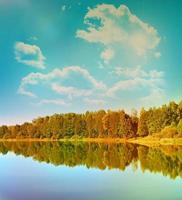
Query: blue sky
[71,56]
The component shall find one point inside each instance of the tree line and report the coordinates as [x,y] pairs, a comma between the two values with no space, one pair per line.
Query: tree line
[164,121]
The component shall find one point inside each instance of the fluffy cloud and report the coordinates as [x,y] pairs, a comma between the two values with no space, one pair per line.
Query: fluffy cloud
[147,85]
[30,55]
[118,27]
[137,72]
[55,81]
[70,91]
[155,97]
[136,78]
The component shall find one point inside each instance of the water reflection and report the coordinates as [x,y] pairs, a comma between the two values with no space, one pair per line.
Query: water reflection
[164,159]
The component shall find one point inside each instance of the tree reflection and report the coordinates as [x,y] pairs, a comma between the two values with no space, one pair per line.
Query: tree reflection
[164,159]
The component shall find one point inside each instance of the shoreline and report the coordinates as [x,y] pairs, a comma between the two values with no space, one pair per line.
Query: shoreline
[99,140]
[147,141]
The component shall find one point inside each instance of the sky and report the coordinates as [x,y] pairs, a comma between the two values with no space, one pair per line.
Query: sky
[59,56]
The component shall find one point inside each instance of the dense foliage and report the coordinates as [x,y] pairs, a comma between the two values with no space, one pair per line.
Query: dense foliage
[101,124]
[165,121]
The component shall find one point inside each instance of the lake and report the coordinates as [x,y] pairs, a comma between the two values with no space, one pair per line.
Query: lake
[89,171]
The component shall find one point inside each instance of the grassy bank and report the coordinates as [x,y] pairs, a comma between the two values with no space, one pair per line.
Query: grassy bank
[151,141]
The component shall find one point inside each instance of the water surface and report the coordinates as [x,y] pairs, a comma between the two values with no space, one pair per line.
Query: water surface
[89,171]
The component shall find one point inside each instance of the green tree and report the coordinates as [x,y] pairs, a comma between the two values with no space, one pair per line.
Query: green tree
[142,124]
[179,127]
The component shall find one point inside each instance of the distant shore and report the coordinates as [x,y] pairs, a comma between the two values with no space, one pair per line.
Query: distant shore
[148,141]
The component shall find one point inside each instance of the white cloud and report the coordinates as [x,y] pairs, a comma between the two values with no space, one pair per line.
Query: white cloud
[70,91]
[107,55]
[156,74]
[23,91]
[95,93]
[56,75]
[30,55]
[129,72]
[118,27]
[136,78]
[156,96]
[126,85]
[138,87]
[59,102]
[137,72]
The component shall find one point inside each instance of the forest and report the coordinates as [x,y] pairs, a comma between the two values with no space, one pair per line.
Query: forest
[164,159]
[163,122]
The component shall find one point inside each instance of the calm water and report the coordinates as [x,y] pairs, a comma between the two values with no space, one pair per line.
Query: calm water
[89,171]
